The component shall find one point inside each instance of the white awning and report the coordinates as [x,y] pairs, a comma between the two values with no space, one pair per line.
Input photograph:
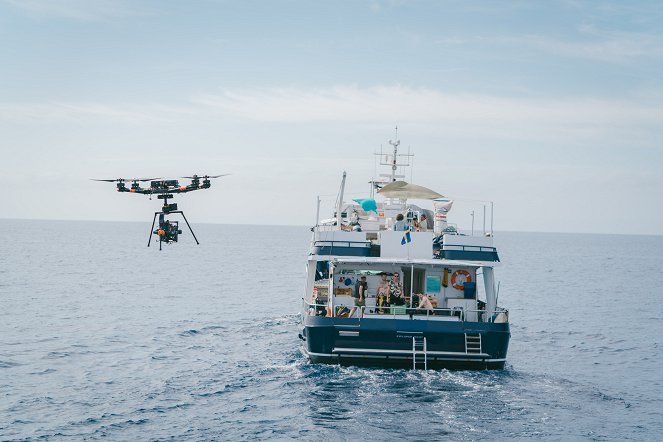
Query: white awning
[404,190]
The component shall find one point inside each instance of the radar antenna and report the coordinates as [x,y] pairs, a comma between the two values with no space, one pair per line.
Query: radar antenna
[394,165]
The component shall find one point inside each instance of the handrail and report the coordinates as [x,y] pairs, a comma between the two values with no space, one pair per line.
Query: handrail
[458,312]
[340,241]
[414,311]
[468,248]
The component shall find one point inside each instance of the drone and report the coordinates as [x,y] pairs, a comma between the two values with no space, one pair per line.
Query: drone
[168,230]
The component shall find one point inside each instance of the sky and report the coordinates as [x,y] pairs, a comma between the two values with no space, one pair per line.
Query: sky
[552,110]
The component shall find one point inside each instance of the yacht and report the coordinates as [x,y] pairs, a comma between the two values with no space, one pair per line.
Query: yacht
[391,283]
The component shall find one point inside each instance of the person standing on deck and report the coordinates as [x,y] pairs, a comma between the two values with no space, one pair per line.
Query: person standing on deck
[396,290]
[359,294]
[382,294]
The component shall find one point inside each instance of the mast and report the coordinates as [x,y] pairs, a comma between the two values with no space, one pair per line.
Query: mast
[394,165]
[340,201]
[393,161]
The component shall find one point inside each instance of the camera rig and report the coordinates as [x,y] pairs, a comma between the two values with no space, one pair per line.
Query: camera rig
[167,230]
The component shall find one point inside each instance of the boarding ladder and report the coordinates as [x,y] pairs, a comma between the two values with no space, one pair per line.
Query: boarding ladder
[419,352]
[473,343]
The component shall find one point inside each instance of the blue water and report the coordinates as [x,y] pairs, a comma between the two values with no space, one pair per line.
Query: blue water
[101,337]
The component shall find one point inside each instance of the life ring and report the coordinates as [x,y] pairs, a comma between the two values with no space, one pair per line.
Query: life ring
[460,286]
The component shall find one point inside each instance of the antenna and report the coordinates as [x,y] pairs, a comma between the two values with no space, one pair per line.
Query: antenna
[394,165]
[394,161]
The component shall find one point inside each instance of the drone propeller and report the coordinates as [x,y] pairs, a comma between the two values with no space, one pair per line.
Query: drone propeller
[205,176]
[147,179]
[120,180]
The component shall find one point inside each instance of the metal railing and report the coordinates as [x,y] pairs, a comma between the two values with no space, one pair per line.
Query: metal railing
[400,311]
[315,309]
[337,243]
[465,248]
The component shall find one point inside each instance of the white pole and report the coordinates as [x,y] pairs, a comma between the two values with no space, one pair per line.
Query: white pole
[395,143]
[408,243]
[491,219]
[340,202]
[484,220]
[317,212]
[473,223]
[411,282]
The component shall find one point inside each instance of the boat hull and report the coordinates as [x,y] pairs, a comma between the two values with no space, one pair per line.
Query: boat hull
[386,342]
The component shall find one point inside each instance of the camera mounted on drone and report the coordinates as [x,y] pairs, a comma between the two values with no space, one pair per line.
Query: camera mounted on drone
[167,231]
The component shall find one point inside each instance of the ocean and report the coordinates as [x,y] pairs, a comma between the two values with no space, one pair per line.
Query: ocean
[102,337]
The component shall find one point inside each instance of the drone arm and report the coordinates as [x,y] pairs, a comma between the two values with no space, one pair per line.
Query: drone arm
[141,191]
[189,188]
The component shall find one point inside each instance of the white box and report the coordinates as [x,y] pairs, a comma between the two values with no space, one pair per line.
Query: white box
[420,246]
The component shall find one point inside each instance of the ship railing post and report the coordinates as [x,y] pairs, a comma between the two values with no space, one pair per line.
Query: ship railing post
[330,301]
[411,281]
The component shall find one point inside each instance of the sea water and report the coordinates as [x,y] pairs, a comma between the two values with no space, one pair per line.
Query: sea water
[103,337]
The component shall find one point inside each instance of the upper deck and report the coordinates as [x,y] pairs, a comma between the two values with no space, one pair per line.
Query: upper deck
[386,224]
[368,241]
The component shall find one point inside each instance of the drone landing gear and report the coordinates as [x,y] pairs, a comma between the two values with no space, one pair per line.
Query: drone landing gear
[168,231]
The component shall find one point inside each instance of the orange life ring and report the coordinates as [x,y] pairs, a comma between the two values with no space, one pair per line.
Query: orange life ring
[459,286]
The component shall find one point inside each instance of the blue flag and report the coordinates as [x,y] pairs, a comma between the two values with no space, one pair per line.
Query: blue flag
[406,236]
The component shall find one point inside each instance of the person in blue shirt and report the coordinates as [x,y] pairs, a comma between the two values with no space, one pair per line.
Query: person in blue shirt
[399,225]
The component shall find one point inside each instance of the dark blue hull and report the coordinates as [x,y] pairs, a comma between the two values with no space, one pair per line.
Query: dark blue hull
[389,342]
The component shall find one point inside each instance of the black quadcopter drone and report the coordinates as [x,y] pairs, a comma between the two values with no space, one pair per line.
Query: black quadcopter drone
[168,231]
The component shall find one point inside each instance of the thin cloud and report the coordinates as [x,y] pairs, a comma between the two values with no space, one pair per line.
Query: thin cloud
[590,44]
[72,111]
[613,48]
[79,10]
[422,105]
[499,116]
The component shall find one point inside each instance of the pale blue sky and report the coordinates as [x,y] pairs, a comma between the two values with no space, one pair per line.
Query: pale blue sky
[554,110]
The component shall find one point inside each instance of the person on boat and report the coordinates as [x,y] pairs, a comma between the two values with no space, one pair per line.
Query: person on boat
[399,225]
[382,299]
[422,224]
[396,291]
[382,294]
[425,303]
[383,282]
[415,223]
[359,295]
[354,222]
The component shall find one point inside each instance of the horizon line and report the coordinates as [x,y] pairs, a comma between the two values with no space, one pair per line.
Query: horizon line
[310,226]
